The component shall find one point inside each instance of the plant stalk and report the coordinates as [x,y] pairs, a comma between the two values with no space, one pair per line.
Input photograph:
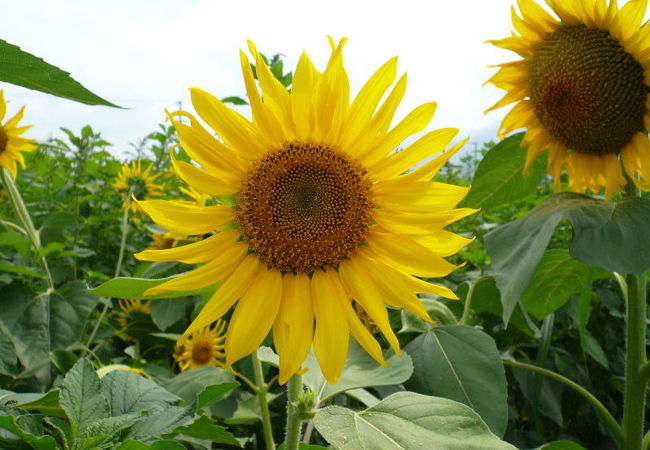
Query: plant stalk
[28,225]
[262,389]
[614,428]
[294,416]
[468,303]
[636,381]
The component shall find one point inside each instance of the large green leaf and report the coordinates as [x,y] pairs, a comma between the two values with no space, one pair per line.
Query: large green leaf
[35,330]
[612,236]
[157,445]
[24,69]
[461,363]
[24,427]
[126,287]
[167,311]
[556,279]
[360,371]
[406,420]
[499,176]
[81,396]
[160,422]
[128,392]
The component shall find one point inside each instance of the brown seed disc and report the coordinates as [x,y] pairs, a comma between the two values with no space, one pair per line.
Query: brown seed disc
[3,139]
[202,352]
[304,206]
[587,91]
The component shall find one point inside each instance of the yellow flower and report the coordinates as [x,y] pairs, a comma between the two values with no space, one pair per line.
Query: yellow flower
[11,144]
[324,214]
[204,347]
[128,307]
[581,90]
[161,241]
[133,180]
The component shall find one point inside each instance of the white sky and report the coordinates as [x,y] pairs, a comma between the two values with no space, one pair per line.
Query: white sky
[144,54]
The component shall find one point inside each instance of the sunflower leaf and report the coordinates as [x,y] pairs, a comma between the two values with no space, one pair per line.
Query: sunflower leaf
[499,177]
[126,287]
[24,69]
[407,420]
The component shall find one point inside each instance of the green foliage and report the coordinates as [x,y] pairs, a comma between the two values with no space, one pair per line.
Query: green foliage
[406,420]
[24,69]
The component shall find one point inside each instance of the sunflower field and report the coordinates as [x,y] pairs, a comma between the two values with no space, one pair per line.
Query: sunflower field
[316,272]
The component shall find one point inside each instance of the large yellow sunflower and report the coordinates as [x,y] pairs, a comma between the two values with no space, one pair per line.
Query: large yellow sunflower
[133,180]
[323,213]
[581,90]
[11,144]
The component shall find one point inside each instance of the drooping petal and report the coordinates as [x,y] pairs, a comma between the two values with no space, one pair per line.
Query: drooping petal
[187,219]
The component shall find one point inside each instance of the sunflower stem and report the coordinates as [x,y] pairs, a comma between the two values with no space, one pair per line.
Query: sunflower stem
[118,266]
[636,379]
[28,225]
[611,424]
[294,416]
[468,304]
[262,389]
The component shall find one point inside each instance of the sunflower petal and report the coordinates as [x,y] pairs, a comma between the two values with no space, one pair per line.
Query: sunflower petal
[187,219]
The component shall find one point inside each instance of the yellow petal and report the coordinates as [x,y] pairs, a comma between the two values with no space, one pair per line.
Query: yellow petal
[362,288]
[196,252]
[430,169]
[403,222]
[206,275]
[429,144]
[201,180]
[225,296]
[254,315]
[295,324]
[302,91]
[187,219]
[331,336]
[408,256]
[418,195]
[443,242]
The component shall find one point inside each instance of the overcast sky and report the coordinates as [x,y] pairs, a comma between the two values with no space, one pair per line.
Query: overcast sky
[144,54]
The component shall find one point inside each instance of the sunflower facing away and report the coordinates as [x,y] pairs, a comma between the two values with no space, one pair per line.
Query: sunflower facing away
[128,307]
[204,347]
[11,144]
[132,179]
[581,90]
[323,213]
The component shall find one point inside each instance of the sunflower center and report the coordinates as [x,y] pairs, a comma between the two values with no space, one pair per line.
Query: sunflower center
[304,206]
[201,352]
[137,186]
[587,91]
[4,139]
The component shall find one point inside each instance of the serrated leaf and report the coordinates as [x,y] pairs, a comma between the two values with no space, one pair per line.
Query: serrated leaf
[18,426]
[159,422]
[128,392]
[499,176]
[215,393]
[24,69]
[406,420]
[81,396]
[126,287]
[205,428]
[360,371]
[461,363]
[47,404]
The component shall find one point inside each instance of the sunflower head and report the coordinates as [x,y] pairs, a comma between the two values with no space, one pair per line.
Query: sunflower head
[204,347]
[11,144]
[581,90]
[319,214]
[129,310]
[133,180]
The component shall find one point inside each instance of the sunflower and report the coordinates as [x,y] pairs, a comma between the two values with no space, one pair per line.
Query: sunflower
[133,180]
[128,307]
[581,90]
[317,212]
[11,144]
[204,347]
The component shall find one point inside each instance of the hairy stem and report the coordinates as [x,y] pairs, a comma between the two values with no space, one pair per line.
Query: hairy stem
[294,417]
[262,389]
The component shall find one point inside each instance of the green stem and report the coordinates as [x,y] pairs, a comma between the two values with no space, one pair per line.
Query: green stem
[468,303]
[636,381]
[294,416]
[611,424]
[28,225]
[118,266]
[262,389]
